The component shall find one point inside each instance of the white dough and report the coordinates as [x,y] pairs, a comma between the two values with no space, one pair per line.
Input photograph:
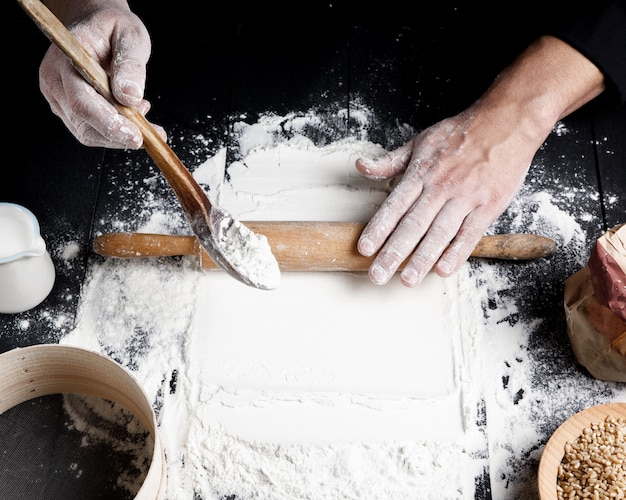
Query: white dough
[323,347]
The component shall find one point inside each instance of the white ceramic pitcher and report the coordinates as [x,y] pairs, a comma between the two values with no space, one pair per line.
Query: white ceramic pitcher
[26,270]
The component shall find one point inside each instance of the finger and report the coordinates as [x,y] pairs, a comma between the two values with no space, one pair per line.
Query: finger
[95,121]
[86,114]
[91,137]
[130,49]
[433,243]
[405,237]
[98,123]
[74,119]
[386,166]
[471,231]
[385,220]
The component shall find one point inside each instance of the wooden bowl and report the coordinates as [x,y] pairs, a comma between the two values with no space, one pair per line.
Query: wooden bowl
[40,370]
[569,431]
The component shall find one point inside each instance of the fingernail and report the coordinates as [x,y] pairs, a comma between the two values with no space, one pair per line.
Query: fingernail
[411,277]
[368,162]
[370,169]
[132,92]
[445,267]
[137,141]
[366,247]
[134,140]
[378,275]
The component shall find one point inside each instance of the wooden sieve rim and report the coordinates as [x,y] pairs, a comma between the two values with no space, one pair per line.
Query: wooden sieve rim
[40,370]
[568,431]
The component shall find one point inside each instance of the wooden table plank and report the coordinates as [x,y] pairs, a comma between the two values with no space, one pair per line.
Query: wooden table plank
[289,69]
[55,177]
[610,138]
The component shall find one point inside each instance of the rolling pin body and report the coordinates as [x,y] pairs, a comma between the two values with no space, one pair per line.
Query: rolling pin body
[309,246]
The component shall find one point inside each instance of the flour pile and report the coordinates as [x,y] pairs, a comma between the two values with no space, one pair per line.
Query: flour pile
[252,405]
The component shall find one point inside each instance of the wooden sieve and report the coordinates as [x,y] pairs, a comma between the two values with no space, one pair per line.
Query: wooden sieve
[41,370]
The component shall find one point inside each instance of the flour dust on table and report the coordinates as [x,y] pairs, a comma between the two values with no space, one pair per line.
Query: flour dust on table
[327,387]
[533,380]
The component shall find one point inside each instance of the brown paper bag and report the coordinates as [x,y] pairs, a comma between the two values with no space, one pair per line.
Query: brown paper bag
[595,308]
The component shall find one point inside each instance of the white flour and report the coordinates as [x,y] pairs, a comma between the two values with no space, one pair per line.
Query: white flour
[251,422]
[248,253]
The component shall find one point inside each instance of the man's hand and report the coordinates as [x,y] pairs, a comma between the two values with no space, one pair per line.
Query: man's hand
[119,41]
[460,174]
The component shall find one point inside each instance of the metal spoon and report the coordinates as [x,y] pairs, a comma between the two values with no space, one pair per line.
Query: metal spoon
[208,222]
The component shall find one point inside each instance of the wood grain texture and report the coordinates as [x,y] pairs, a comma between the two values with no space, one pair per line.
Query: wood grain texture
[309,245]
[45,369]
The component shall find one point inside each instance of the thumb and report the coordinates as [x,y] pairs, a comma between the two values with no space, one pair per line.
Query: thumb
[386,166]
[130,53]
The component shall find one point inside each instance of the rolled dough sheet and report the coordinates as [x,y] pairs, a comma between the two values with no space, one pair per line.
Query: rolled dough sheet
[296,181]
[330,356]
[326,357]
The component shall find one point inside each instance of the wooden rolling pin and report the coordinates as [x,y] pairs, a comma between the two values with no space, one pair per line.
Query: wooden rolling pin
[308,246]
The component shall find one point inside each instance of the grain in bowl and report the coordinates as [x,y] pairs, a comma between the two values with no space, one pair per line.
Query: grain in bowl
[586,456]
[594,465]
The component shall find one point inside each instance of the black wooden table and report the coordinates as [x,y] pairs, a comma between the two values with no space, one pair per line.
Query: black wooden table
[202,75]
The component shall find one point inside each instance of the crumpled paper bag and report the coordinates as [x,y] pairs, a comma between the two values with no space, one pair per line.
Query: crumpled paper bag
[595,308]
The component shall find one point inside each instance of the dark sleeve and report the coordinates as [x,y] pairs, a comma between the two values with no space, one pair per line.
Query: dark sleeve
[598,31]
